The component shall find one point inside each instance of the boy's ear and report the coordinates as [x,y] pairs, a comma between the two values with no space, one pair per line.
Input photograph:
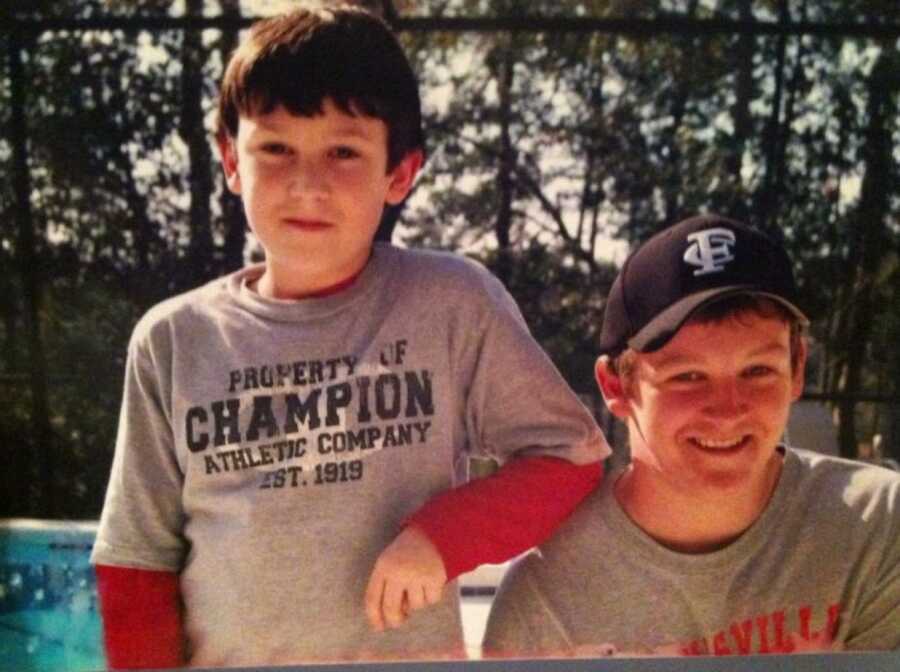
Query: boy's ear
[403,175]
[798,373]
[228,155]
[612,388]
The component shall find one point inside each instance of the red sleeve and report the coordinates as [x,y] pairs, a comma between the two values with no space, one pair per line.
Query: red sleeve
[493,519]
[141,612]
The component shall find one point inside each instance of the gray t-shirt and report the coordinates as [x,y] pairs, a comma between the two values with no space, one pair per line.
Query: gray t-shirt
[818,570]
[269,450]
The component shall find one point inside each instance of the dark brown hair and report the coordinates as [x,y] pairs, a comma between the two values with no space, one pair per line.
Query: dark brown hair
[342,53]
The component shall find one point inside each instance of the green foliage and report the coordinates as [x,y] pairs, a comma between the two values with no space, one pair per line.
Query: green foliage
[109,178]
[548,152]
[563,305]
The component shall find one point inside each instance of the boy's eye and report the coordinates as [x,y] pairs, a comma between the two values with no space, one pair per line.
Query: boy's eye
[275,148]
[687,377]
[758,371]
[344,152]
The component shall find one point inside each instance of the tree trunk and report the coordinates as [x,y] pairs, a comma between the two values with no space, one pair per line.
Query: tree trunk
[11,310]
[503,222]
[199,264]
[783,130]
[673,187]
[235,226]
[43,472]
[740,111]
[870,237]
[836,240]
[766,201]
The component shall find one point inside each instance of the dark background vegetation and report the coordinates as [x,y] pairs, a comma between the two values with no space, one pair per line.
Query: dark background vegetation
[559,132]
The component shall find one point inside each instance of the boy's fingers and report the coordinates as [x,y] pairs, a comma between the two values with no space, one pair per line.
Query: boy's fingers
[433,593]
[404,606]
[374,592]
[408,575]
[416,599]
[392,605]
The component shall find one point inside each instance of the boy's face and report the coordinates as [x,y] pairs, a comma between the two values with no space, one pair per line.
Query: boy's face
[314,189]
[706,411]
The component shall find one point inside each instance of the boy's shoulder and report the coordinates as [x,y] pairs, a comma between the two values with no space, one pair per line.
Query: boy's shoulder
[441,264]
[439,278]
[825,466]
[845,484]
[185,307]
[438,270]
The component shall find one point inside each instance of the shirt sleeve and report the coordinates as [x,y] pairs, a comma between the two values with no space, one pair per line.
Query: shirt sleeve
[493,519]
[142,520]
[516,402]
[518,410]
[142,624]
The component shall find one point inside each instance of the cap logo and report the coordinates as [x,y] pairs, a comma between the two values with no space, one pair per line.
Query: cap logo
[710,250]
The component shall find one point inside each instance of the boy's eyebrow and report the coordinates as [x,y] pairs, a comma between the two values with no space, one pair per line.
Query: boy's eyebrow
[678,359]
[346,130]
[773,348]
[353,131]
[672,360]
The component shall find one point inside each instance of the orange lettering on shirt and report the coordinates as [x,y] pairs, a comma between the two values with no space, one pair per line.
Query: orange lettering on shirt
[762,624]
[720,648]
[805,614]
[743,635]
[782,645]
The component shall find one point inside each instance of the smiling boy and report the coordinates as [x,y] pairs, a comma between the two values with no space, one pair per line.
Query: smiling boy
[716,538]
[289,433]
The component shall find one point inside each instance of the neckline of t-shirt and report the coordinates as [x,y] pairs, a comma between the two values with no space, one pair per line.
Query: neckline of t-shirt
[741,548]
[298,310]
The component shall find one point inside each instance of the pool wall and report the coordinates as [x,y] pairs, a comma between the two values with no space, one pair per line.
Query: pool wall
[49,621]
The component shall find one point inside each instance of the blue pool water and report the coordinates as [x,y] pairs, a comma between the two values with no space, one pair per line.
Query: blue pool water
[49,620]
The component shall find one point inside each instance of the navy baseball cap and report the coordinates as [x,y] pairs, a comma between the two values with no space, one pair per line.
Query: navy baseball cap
[685,267]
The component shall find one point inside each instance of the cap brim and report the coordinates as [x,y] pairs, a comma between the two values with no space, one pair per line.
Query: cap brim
[663,327]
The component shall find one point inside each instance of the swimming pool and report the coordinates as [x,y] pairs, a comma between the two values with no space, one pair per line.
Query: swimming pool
[49,620]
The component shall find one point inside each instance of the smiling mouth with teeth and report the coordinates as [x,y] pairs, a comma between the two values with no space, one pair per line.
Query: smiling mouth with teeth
[721,444]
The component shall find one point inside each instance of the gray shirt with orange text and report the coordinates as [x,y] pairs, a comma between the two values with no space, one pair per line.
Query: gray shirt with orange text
[819,570]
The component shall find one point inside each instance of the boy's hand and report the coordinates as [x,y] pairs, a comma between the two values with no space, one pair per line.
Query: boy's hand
[409,575]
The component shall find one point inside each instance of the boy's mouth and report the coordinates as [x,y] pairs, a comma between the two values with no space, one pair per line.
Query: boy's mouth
[307,224]
[724,445]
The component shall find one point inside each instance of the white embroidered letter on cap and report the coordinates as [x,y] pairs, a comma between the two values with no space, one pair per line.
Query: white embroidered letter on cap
[710,250]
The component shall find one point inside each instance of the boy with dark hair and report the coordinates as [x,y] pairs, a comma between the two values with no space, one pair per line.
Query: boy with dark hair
[716,539]
[281,425]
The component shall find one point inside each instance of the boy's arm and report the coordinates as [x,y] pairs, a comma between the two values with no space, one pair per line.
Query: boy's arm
[493,519]
[141,610]
[489,520]
[139,546]
[518,409]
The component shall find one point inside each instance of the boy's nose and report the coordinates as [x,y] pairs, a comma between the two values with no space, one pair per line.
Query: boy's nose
[307,179]
[727,399]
